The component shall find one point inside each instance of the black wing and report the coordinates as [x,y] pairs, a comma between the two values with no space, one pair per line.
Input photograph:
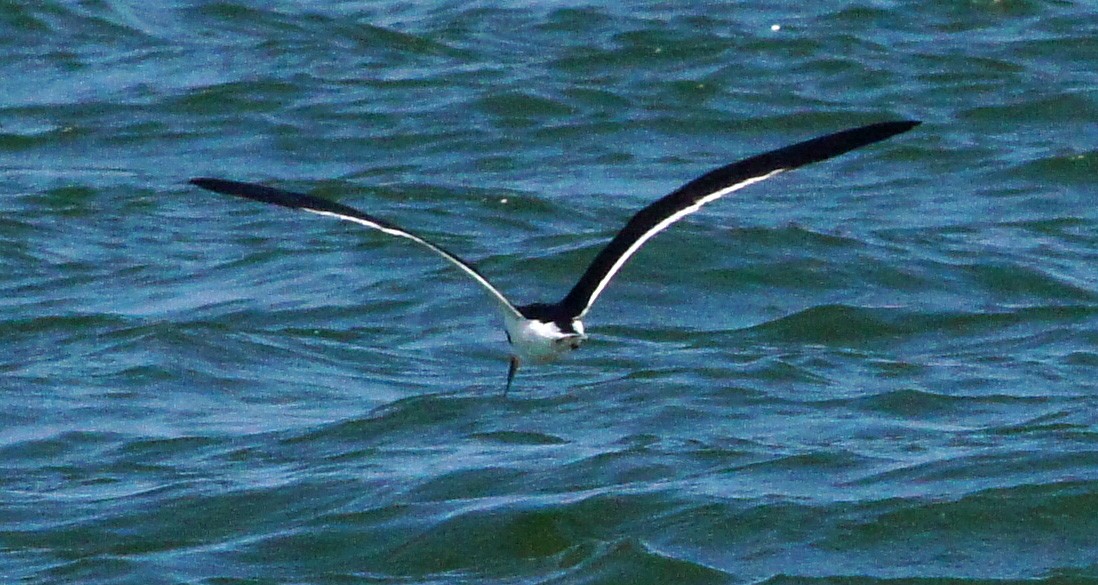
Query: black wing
[709,187]
[332,209]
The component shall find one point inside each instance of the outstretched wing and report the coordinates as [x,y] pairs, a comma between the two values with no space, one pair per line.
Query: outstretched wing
[711,186]
[339,211]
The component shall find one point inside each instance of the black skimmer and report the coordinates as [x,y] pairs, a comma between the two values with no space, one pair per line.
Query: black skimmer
[541,332]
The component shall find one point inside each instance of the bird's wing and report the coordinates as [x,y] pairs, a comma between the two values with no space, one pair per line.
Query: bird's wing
[332,209]
[711,186]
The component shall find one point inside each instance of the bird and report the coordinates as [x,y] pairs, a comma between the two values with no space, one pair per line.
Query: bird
[543,331]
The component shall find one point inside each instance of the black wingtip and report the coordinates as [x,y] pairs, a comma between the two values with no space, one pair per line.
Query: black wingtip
[266,194]
[224,186]
[871,133]
[900,126]
[907,124]
[852,138]
[816,149]
[219,185]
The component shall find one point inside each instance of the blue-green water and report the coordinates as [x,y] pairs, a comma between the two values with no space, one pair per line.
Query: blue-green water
[877,369]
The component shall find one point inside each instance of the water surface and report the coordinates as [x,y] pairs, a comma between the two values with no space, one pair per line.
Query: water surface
[877,368]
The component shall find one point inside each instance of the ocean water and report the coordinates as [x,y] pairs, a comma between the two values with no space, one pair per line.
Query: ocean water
[878,369]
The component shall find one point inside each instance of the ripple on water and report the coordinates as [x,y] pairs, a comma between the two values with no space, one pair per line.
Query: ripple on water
[873,370]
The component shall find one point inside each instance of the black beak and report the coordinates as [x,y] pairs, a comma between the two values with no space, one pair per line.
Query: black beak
[511,373]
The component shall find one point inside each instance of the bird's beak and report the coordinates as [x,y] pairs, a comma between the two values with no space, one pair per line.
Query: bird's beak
[511,373]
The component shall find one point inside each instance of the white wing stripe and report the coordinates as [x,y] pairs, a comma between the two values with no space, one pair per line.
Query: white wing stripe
[504,303]
[659,227]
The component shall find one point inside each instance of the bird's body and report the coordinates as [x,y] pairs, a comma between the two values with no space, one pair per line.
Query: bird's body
[539,336]
[541,332]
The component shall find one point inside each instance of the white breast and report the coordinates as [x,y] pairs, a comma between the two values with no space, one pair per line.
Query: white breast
[537,341]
